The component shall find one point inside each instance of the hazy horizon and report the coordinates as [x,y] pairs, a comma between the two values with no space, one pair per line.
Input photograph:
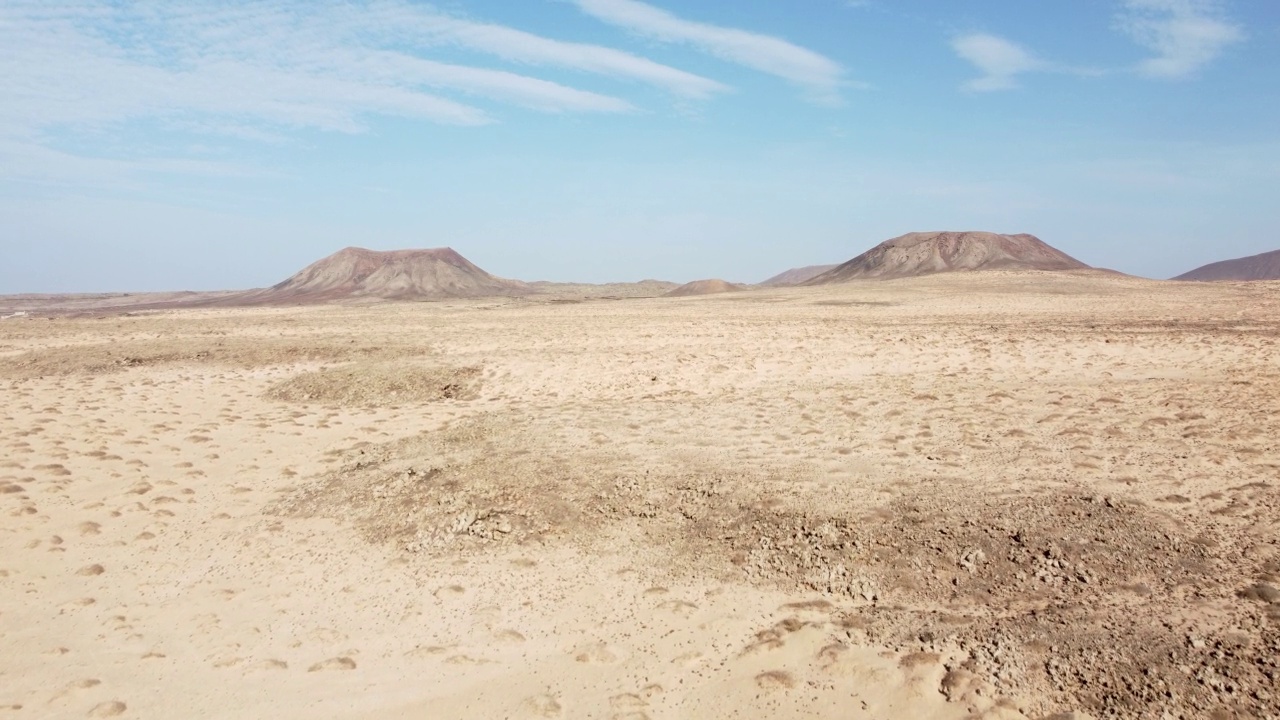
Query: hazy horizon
[206,146]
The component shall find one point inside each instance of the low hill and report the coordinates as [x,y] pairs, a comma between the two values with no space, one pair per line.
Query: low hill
[705,287]
[1264,266]
[924,253]
[795,276]
[357,273]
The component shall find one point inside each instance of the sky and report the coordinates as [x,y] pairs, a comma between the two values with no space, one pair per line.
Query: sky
[224,145]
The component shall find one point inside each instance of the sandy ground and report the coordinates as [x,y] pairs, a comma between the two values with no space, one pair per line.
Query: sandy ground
[991,495]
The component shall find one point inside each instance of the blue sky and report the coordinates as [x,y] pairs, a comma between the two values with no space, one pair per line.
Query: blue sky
[207,145]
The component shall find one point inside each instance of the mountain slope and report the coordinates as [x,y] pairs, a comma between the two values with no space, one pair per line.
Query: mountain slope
[795,276]
[355,273]
[924,253]
[1264,266]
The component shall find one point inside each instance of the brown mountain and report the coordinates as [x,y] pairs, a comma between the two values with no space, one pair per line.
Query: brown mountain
[705,287]
[795,276]
[1265,266]
[357,273]
[924,253]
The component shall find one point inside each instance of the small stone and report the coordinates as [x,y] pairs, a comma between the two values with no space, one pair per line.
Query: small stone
[337,663]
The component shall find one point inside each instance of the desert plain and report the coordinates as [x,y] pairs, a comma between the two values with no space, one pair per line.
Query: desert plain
[969,495]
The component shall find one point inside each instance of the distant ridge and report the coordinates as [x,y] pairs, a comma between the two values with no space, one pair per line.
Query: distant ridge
[1264,266]
[357,273]
[705,287]
[926,253]
[795,276]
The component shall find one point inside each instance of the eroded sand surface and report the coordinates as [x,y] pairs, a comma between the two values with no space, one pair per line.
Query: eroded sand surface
[990,495]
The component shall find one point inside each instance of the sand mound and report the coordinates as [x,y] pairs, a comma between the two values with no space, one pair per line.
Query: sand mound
[924,253]
[379,384]
[704,287]
[356,273]
[795,276]
[1264,266]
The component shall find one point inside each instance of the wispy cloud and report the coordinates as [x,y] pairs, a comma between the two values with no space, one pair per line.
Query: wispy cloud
[1002,62]
[999,60]
[261,67]
[820,76]
[526,48]
[1183,35]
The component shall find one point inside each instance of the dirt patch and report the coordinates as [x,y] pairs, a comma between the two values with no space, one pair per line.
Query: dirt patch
[380,384]
[449,491]
[1081,600]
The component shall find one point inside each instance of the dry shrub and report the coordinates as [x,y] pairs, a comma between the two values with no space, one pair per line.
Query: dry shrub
[236,352]
[380,383]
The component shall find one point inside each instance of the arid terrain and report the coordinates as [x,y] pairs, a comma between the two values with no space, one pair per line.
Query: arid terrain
[970,495]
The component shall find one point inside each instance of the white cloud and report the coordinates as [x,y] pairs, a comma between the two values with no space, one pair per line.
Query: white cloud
[1000,61]
[256,68]
[819,75]
[1183,35]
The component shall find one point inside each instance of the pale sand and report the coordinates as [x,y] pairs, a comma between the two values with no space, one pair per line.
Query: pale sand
[996,495]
